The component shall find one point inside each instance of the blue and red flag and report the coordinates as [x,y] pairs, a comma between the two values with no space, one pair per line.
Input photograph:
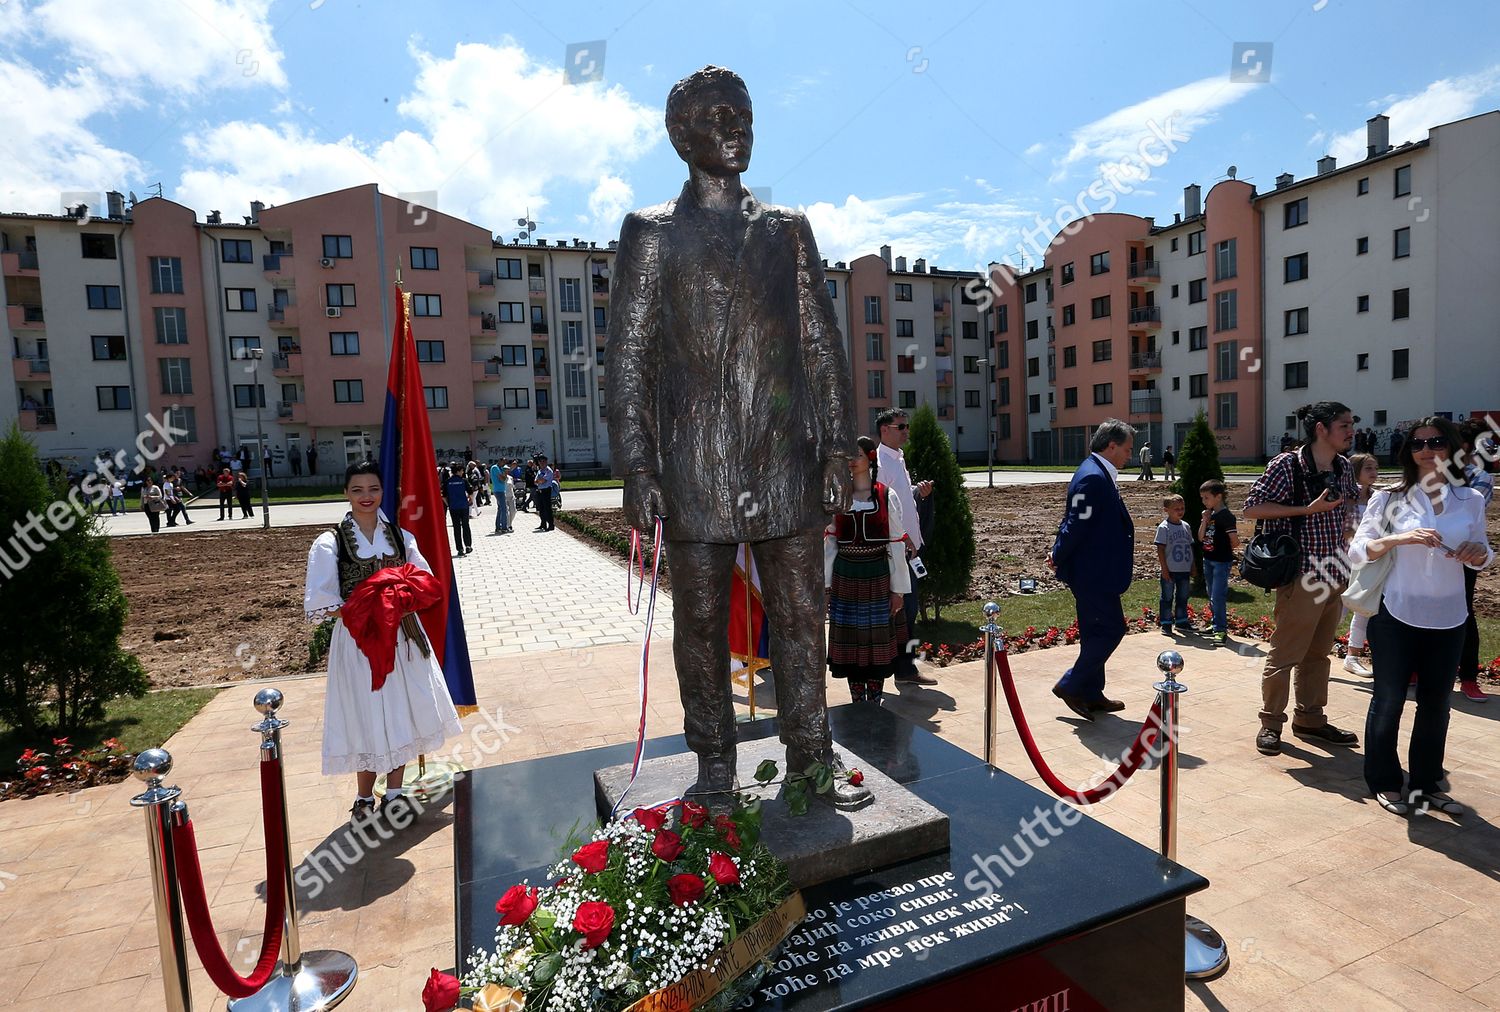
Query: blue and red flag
[408,472]
[749,634]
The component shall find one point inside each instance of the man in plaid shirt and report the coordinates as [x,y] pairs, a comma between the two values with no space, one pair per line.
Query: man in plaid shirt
[1307,609]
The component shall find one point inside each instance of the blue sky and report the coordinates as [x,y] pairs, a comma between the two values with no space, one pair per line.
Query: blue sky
[944,130]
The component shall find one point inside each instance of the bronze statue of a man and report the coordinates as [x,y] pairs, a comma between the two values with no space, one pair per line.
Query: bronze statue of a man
[730,401]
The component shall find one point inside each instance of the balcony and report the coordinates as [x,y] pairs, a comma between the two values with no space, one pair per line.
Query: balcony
[1146,317]
[945,377]
[536,288]
[481,323]
[946,411]
[942,307]
[38,419]
[487,415]
[30,368]
[484,371]
[600,287]
[1145,361]
[25,317]
[1145,402]
[479,280]
[286,363]
[284,409]
[542,372]
[538,328]
[21,264]
[276,266]
[283,317]
[1145,272]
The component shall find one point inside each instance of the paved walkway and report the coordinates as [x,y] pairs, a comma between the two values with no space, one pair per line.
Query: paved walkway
[1326,901]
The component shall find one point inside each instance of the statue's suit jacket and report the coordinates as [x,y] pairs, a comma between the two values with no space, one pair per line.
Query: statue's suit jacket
[726,376]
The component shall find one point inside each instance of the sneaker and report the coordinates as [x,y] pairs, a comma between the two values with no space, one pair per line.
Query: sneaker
[1220,637]
[1354,664]
[1472,691]
[1166,630]
[1268,741]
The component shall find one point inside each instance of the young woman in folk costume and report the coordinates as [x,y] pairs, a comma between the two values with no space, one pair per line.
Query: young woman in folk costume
[374,724]
[865,576]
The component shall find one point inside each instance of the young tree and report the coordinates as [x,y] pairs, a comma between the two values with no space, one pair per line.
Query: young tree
[949,552]
[65,595]
[1197,462]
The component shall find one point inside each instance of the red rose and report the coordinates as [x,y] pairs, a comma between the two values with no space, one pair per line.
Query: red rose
[592,857]
[594,921]
[724,871]
[27,756]
[694,815]
[516,905]
[667,845]
[856,778]
[441,992]
[685,888]
[60,742]
[650,818]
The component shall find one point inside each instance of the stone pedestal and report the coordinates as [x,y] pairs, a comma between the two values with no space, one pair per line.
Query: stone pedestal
[824,844]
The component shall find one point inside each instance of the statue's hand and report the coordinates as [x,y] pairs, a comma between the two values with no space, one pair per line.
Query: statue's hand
[644,502]
[838,486]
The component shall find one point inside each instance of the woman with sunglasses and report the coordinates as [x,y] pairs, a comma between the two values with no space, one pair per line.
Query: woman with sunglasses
[1436,526]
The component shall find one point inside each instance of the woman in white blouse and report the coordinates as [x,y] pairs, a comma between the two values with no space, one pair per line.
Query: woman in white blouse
[368,732]
[1436,527]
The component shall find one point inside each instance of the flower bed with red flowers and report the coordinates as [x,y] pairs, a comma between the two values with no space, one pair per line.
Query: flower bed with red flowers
[66,769]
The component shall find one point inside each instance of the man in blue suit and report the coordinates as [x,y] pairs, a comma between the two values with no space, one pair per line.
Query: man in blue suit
[1094,554]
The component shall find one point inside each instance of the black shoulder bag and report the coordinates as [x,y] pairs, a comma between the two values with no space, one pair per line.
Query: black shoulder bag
[1274,560]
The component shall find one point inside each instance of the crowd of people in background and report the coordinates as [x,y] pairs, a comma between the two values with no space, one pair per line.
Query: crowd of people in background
[512,486]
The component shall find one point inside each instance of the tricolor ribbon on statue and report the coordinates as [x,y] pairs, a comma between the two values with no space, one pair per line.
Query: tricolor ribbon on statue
[638,559]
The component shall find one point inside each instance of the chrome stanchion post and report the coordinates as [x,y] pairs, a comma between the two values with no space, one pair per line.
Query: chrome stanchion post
[305,981]
[991,643]
[1205,953]
[171,934]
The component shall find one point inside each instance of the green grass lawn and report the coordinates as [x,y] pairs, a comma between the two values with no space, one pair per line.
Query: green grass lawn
[139,724]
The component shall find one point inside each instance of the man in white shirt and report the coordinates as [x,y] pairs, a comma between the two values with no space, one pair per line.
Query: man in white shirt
[890,466]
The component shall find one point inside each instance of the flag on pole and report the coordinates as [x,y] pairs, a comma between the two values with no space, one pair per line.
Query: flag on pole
[749,637]
[413,501]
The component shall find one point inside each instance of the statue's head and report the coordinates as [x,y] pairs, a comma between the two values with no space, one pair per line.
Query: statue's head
[709,121]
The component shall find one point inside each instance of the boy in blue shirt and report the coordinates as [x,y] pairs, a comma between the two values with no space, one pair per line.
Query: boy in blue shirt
[1174,551]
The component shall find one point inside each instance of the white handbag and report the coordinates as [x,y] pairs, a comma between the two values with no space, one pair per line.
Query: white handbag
[1368,583]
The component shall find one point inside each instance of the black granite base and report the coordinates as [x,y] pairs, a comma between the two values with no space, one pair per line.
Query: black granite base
[1034,906]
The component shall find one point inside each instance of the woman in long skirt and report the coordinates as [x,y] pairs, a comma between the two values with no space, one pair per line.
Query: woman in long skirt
[367,731]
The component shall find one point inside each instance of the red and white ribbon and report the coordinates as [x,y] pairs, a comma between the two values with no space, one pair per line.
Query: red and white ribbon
[637,555]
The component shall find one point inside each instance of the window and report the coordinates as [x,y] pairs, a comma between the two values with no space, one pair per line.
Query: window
[1362,304]
[1034,404]
[1403,180]
[1176,337]
[1104,393]
[1176,382]
[1362,362]
[435,397]
[176,375]
[971,364]
[339,295]
[431,351]
[572,337]
[570,295]
[1195,243]
[1400,363]
[1174,245]
[344,342]
[239,300]
[601,320]
[1070,356]
[872,309]
[1361,245]
[1296,322]
[1099,307]
[1228,361]
[348,391]
[1004,391]
[1295,268]
[903,328]
[1104,350]
[903,292]
[1197,338]
[1070,397]
[876,383]
[1032,329]
[578,421]
[338,247]
[969,330]
[1174,291]
[1294,213]
[906,398]
[875,347]
[1198,385]
[1296,375]
[109,349]
[1004,348]
[539,362]
[508,268]
[1031,292]
[1401,304]
[166,275]
[426,305]
[574,380]
[1069,315]
[1033,367]
[1362,187]
[1226,310]
[171,325]
[538,319]
[236,251]
[512,354]
[113,398]
[185,421]
[1002,319]
[833,288]
[249,395]
[240,348]
[1227,411]
[1099,263]
[103,296]
[544,405]
[1067,273]
[97,246]
[1226,259]
[512,312]
[971,398]
[1402,243]
[1197,290]
[517,397]
[1004,426]
[424,258]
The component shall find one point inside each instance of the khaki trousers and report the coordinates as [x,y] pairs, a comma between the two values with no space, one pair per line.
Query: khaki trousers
[1306,621]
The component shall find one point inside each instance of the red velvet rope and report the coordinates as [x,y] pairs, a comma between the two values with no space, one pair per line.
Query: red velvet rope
[195,898]
[1134,756]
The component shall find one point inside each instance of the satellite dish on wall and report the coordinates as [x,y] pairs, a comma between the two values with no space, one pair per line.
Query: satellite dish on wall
[1233,169]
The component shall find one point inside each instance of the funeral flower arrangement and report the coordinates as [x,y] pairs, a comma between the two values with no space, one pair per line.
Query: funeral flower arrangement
[647,900]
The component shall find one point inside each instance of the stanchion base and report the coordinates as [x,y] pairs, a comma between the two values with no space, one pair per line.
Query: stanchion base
[324,979]
[1206,955]
[430,786]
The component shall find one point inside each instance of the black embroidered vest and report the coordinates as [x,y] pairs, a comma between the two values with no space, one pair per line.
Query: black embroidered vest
[353,570]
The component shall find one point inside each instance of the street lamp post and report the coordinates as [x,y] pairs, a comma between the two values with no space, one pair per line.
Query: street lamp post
[260,442]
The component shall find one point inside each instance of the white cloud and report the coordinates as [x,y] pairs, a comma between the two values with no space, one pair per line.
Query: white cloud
[1442,101]
[608,202]
[182,46]
[914,227]
[494,132]
[1033,150]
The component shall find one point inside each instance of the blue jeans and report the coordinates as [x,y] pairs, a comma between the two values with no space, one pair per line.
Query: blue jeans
[502,511]
[1181,585]
[1216,574]
[1399,651]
